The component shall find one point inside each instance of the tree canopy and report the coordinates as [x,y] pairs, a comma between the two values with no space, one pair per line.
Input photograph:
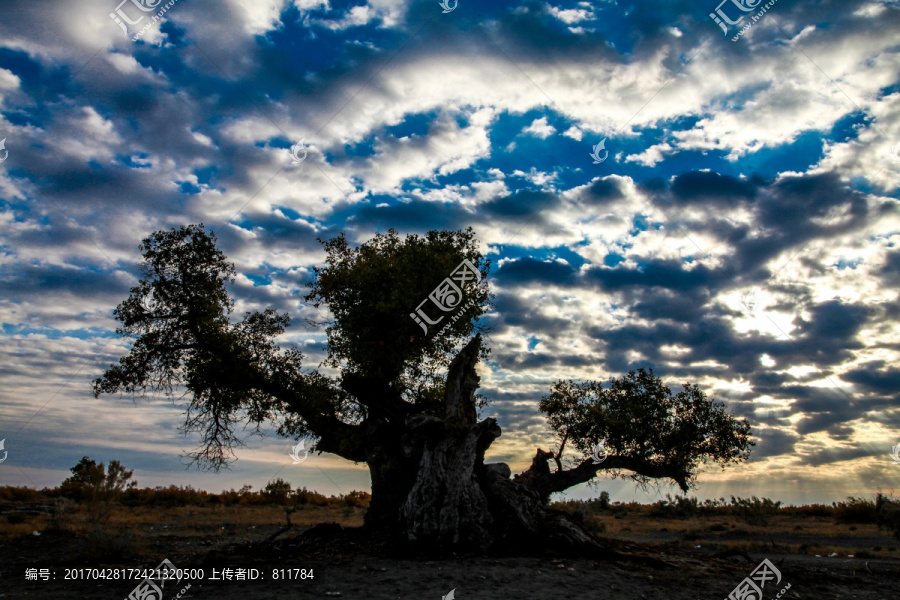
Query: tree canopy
[234,371]
[370,291]
[91,481]
[644,427]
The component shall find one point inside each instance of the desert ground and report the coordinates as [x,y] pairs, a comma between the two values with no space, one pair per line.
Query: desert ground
[661,557]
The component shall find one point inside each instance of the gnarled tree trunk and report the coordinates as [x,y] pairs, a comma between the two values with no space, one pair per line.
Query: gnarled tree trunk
[431,485]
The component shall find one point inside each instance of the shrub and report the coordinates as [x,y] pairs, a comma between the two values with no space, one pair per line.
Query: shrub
[241,496]
[304,496]
[887,514]
[810,510]
[855,510]
[357,499]
[278,491]
[168,497]
[680,507]
[883,511]
[62,516]
[712,507]
[9,493]
[603,501]
[755,511]
[97,487]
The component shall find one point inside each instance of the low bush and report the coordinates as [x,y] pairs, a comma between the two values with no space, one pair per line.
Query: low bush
[755,511]
[855,510]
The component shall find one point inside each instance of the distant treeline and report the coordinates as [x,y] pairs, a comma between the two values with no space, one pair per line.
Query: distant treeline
[753,510]
[276,492]
[881,510]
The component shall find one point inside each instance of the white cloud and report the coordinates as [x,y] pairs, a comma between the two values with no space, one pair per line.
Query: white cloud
[8,80]
[766,96]
[259,16]
[570,16]
[388,11]
[574,133]
[540,128]
[651,156]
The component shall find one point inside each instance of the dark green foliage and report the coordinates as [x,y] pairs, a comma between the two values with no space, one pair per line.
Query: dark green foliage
[178,318]
[640,419]
[184,339]
[371,291]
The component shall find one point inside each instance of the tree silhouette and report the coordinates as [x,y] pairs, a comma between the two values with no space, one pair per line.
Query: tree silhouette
[647,432]
[404,399]
[97,487]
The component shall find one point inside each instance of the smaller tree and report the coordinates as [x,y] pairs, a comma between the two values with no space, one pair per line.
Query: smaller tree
[278,491]
[97,487]
[604,500]
[648,433]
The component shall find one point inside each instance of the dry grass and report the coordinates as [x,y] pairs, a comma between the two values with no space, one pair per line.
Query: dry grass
[193,518]
[129,530]
[182,519]
[785,534]
[132,533]
[22,528]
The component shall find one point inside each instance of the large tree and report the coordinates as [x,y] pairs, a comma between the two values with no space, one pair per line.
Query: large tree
[400,323]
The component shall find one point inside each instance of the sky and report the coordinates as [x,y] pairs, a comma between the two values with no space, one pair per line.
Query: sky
[654,189]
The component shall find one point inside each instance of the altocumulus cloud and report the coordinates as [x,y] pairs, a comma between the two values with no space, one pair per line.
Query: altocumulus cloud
[760,168]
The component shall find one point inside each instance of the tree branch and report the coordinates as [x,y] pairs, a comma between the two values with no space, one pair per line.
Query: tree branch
[335,436]
[539,478]
[562,447]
